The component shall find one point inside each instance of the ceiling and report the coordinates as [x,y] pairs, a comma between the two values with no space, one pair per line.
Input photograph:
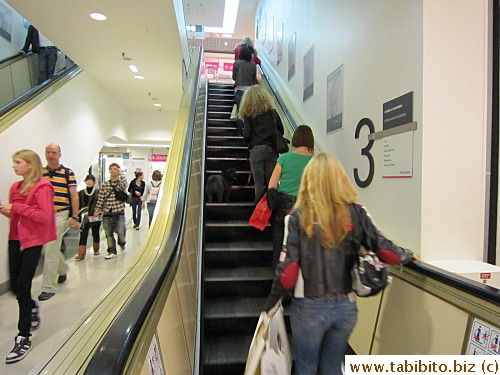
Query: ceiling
[146,32]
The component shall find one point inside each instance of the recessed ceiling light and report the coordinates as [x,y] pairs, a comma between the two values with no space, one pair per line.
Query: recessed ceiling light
[139,77]
[98,16]
[133,68]
[157,105]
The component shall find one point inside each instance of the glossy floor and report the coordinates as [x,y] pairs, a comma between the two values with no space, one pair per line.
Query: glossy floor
[87,282]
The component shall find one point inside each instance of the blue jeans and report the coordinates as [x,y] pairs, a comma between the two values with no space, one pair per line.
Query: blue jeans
[320,332]
[114,224]
[151,211]
[47,59]
[136,211]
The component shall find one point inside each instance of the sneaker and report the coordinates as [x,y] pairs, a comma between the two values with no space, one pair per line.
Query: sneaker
[22,347]
[35,317]
[136,228]
[61,279]
[110,255]
[44,296]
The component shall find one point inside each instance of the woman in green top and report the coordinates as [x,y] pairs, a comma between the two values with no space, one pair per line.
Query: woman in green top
[287,174]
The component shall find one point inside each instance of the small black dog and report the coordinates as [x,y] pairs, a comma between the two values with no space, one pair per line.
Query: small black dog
[220,185]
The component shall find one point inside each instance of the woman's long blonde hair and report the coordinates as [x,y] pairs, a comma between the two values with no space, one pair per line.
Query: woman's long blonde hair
[255,102]
[324,194]
[32,158]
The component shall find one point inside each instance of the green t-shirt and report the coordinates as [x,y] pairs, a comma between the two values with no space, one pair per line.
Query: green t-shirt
[292,166]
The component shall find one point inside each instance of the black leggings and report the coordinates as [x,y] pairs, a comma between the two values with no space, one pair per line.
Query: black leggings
[22,266]
[95,226]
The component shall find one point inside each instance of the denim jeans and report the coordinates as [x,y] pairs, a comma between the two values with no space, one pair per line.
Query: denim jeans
[262,162]
[136,211]
[22,266]
[151,211]
[114,224]
[320,332]
[47,59]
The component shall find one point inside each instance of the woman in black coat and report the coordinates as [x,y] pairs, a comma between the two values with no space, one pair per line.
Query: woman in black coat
[88,198]
[136,188]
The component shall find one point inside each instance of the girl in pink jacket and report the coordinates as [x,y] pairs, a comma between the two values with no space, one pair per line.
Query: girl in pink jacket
[32,224]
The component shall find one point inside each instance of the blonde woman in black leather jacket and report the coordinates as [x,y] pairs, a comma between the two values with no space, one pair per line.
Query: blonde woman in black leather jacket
[322,238]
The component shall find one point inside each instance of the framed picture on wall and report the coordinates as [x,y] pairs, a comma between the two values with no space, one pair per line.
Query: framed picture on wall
[292,56]
[5,22]
[308,74]
[270,37]
[279,44]
[335,99]
[258,25]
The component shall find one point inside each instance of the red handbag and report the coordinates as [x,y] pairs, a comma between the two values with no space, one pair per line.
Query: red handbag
[261,214]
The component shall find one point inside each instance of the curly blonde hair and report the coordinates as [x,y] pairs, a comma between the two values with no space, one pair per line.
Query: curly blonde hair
[324,195]
[255,101]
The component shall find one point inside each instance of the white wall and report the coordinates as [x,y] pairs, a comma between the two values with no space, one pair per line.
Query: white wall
[438,50]
[455,115]
[380,44]
[18,35]
[79,117]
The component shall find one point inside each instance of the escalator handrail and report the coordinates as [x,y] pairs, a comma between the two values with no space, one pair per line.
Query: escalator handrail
[288,116]
[12,59]
[31,93]
[119,340]
[484,292]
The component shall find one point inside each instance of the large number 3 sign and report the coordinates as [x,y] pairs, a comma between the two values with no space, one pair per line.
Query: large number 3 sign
[365,152]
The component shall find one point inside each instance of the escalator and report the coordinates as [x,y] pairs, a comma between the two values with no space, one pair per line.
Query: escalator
[237,258]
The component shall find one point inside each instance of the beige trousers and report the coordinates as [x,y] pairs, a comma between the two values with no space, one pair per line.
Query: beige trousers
[54,264]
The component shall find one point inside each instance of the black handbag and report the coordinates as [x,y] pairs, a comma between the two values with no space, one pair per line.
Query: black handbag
[369,275]
[280,143]
[122,196]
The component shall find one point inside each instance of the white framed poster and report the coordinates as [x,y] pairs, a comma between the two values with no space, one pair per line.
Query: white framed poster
[292,56]
[279,44]
[335,99]
[308,74]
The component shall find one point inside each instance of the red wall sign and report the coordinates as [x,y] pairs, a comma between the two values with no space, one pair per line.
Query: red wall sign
[212,64]
[158,157]
[485,275]
[228,67]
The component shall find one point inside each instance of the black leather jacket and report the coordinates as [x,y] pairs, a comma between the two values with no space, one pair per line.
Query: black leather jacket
[327,272]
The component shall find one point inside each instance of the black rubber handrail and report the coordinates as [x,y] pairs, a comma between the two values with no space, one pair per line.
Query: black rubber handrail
[115,348]
[484,292]
[282,104]
[13,57]
[71,71]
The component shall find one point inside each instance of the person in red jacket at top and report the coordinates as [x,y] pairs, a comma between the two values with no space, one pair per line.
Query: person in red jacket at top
[32,224]
[246,42]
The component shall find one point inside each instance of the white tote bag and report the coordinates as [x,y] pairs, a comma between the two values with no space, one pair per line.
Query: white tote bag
[269,352]
[277,357]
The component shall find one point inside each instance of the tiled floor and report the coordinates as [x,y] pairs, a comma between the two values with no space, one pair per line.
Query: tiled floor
[87,282]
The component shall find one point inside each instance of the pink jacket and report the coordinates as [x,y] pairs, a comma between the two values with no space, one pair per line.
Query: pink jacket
[32,217]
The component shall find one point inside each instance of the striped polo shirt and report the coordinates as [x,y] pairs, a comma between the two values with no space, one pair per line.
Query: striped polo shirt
[58,180]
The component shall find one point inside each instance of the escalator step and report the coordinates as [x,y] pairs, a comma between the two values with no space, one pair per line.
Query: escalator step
[239,246]
[238,274]
[233,307]
[228,349]
[229,223]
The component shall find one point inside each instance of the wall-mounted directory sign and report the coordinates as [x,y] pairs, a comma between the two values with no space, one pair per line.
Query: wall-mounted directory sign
[398,156]
[398,111]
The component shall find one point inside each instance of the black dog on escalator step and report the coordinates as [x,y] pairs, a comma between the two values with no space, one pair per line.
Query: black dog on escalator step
[220,185]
